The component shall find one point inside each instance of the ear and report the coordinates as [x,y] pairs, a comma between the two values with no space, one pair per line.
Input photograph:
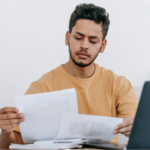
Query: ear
[67,38]
[103,46]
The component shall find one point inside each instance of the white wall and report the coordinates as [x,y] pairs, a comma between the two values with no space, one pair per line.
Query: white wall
[32,35]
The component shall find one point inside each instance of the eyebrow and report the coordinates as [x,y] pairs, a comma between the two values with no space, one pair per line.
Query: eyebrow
[90,36]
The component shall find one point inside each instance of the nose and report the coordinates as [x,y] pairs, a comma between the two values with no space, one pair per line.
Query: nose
[84,44]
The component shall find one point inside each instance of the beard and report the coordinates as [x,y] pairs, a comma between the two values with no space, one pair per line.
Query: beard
[81,64]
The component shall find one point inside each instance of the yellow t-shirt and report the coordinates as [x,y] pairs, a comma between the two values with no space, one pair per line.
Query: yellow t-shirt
[103,94]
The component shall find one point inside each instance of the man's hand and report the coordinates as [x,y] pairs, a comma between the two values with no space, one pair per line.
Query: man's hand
[125,127]
[10,118]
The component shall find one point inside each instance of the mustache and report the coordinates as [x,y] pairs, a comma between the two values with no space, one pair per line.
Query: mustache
[83,51]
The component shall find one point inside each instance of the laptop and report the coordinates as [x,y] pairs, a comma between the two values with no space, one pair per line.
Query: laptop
[140,133]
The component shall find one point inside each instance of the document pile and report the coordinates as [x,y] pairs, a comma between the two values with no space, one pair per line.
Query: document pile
[52,122]
[50,144]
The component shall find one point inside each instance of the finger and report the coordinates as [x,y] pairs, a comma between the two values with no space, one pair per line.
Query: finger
[124,124]
[8,116]
[11,121]
[124,130]
[6,127]
[8,109]
[127,134]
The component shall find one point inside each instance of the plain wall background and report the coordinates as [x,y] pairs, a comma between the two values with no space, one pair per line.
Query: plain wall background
[32,41]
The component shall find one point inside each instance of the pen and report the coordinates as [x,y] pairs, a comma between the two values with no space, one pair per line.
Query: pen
[64,142]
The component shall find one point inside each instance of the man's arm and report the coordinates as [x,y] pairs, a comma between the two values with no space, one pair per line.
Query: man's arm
[13,119]
[9,118]
[6,139]
[126,105]
[18,137]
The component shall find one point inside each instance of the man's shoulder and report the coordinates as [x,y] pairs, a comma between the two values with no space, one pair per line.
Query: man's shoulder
[43,84]
[111,76]
[48,77]
[108,73]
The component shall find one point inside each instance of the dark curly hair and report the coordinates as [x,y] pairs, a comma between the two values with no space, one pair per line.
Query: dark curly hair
[91,12]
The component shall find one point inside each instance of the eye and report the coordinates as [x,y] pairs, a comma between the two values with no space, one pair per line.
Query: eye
[92,42]
[78,38]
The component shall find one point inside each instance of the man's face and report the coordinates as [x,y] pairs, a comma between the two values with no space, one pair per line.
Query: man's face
[85,42]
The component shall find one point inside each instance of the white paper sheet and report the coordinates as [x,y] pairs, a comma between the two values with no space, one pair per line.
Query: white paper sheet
[43,113]
[87,127]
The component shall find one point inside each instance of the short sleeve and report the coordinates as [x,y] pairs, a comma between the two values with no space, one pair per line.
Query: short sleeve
[17,129]
[126,99]
[34,88]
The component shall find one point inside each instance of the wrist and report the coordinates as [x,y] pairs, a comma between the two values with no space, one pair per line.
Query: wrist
[4,133]
[5,139]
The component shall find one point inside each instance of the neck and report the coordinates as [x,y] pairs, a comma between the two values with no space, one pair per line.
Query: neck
[79,72]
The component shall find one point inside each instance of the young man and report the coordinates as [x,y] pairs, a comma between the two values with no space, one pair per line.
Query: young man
[99,91]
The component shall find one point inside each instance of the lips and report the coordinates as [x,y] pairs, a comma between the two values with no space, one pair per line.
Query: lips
[83,55]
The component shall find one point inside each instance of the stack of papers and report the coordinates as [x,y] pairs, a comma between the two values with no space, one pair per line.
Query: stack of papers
[50,144]
[52,121]
[43,146]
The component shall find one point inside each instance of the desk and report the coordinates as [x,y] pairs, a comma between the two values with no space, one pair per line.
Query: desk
[92,149]
[70,149]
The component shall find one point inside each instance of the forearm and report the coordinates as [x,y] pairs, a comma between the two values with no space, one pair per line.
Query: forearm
[6,139]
